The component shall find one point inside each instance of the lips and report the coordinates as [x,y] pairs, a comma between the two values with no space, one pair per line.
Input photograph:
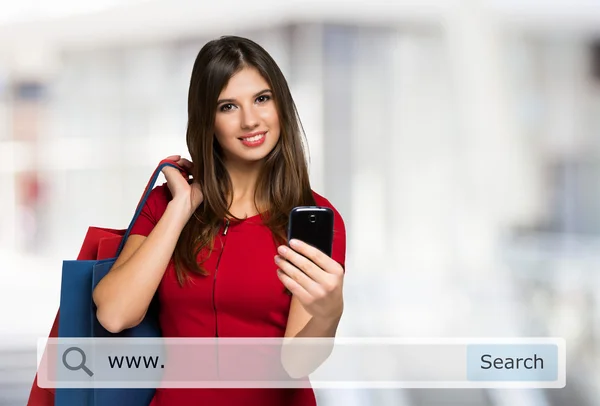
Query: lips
[254,139]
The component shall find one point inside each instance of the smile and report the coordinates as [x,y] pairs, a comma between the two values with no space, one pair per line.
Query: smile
[254,140]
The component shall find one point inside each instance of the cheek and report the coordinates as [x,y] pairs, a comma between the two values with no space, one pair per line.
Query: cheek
[271,117]
[225,126]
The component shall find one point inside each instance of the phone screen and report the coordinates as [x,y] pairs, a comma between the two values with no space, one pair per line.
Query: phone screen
[312,225]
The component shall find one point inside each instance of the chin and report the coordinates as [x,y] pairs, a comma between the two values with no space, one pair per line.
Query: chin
[248,158]
[254,156]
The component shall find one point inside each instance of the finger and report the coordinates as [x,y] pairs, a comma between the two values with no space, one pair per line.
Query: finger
[294,287]
[172,158]
[297,276]
[170,173]
[302,263]
[182,162]
[315,255]
[170,169]
[185,164]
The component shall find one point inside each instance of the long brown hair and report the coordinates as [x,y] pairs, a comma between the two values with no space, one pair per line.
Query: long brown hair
[283,182]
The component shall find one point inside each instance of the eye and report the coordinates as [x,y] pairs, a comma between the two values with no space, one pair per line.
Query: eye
[263,98]
[226,107]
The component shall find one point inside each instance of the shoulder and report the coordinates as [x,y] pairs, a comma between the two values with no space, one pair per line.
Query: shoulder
[339,234]
[320,200]
[152,210]
[324,202]
[160,193]
[158,200]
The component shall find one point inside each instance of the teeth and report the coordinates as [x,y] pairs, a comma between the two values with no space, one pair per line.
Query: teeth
[255,138]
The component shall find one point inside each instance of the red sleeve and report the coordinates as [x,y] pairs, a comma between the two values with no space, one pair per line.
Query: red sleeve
[338,252]
[152,211]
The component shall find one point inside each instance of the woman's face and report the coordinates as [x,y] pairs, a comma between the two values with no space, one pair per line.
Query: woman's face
[246,122]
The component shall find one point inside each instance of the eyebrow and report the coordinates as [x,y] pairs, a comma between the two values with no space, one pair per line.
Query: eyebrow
[256,95]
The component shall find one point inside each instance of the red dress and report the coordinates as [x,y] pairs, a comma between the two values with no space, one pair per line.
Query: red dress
[245,298]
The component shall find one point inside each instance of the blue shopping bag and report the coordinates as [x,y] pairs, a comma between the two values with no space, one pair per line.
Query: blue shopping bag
[77,313]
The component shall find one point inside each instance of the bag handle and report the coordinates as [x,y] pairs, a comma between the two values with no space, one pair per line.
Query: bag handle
[164,163]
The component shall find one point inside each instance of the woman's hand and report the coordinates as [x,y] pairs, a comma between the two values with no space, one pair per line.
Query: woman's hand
[190,194]
[313,277]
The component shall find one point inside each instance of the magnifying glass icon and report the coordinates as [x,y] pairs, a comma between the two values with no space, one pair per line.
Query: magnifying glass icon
[81,365]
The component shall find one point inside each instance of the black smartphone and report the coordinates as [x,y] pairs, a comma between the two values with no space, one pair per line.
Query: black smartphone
[312,225]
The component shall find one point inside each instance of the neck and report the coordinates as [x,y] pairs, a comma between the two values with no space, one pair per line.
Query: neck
[244,179]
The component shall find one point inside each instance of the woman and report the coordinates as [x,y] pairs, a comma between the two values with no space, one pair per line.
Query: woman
[215,247]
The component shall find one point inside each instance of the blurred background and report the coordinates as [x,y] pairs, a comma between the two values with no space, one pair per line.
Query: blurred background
[460,141]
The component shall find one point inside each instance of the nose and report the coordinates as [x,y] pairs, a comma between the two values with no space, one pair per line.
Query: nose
[249,118]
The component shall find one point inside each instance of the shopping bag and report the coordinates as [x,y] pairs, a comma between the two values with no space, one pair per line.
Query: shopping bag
[76,316]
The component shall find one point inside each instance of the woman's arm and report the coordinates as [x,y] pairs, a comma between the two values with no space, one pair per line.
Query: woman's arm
[122,297]
[316,282]
[299,359]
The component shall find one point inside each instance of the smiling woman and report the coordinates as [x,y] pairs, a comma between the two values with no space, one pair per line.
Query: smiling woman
[250,117]
[214,247]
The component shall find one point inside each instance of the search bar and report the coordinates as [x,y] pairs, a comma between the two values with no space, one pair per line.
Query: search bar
[266,362]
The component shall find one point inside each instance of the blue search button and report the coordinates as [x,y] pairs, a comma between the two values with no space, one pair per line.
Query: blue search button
[512,362]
